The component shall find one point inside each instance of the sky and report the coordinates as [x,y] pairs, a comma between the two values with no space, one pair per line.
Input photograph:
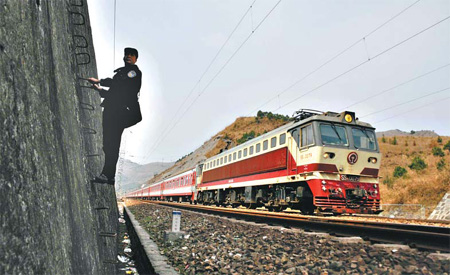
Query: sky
[207,62]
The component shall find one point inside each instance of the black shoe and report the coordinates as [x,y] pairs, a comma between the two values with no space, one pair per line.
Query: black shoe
[101,179]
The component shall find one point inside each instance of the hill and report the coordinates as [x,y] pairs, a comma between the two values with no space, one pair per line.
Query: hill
[242,129]
[412,133]
[407,184]
[134,175]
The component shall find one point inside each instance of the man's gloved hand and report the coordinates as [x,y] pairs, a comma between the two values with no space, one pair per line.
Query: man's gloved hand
[93,80]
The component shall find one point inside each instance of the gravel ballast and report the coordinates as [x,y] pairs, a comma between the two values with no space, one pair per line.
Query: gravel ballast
[216,245]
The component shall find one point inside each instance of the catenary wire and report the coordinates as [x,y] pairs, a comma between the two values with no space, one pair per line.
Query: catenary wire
[217,74]
[362,63]
[406,102]
[205,71]
[334,57]
[440,100]
[396,86]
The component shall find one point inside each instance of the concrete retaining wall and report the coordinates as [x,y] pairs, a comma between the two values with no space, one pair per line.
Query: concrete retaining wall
[50,143]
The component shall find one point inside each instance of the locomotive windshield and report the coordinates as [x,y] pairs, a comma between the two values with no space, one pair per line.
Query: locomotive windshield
[333,134]
[364,139]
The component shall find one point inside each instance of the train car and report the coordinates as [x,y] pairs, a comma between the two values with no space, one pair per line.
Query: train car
[180,187]
[156,191]
[325,162]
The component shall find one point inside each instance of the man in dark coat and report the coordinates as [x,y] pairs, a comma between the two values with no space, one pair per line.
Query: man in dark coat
[120,110]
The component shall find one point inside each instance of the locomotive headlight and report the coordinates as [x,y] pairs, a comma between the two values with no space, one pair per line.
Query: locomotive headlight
[325,155]
[372,160]
[375,186]
[348,118]
[324,182]
[339,190]
[324,188]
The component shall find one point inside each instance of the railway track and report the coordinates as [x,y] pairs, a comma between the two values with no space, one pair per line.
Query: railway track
[425,237]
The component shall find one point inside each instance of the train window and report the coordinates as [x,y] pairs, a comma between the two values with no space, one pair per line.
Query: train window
[225,159]
[265,144]
[221,161]
[273,142]
[258,147]
[333,134]
[364,139]
[307,136]
[234,156]
[245,152]
[229,158]
[239,154]
[251,150]
[282,139]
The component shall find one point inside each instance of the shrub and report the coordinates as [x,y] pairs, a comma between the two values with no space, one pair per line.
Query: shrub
[399,172]
[418,164]
[414,143]
[394,141]
[439,140]
[413,132]
[383,139]
[389,182]
[246,136]
[406,143]
[447,146]
[437,151]
[441,165]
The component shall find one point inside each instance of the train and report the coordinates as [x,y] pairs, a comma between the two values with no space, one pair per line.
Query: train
[319,162]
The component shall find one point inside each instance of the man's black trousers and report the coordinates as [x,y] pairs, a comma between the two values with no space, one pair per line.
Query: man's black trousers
[112,135]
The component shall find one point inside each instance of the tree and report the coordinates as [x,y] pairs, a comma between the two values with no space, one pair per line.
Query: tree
[439,140]
[441,164]
[383,139]
[418,164]
[447,146]
[437,151]
[394,141]
[399,172]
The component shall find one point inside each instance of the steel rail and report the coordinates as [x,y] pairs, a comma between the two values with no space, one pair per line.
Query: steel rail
[416,236]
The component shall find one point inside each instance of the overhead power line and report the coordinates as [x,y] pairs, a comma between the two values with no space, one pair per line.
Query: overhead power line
[409,101]
[220,70]
[396,86]
[440,100]
[334,57]
[364,62]
[204,73]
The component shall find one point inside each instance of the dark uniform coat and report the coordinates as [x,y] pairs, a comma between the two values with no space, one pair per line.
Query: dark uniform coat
[121,110]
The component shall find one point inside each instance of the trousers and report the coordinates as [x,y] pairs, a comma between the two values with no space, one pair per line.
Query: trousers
[112,136]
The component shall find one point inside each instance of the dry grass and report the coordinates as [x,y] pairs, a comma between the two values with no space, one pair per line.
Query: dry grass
[426,187]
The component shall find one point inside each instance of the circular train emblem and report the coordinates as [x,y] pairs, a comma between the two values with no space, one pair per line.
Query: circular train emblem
[352,158]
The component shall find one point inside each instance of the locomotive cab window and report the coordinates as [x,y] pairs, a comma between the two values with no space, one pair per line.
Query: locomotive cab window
[364,139]
[332,134]
[307,136]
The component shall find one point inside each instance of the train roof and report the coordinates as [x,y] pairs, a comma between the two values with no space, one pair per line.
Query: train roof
[301,117]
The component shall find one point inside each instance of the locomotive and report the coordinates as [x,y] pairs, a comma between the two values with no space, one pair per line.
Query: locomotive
[319,161]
